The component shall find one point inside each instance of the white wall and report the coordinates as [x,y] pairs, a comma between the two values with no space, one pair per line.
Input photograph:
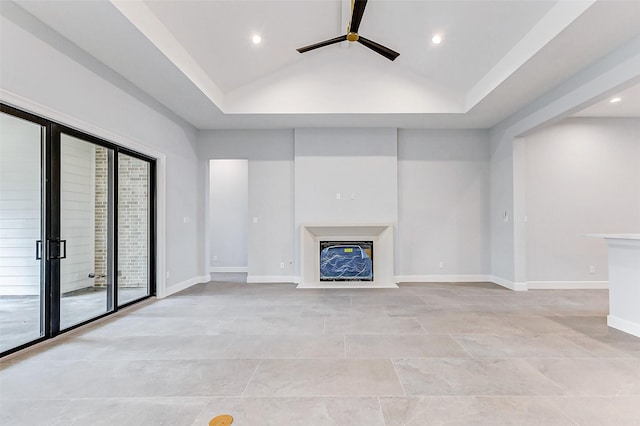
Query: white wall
[443,181]
[270,155]
[228,213]
[44,73]
[359,164]
[345,176]
[433,185]
[601,79]
[501,214]
[582,176]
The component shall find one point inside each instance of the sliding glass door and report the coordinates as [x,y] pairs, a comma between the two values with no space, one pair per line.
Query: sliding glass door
[86,203]
[134,228]
[21,232]
[77,228]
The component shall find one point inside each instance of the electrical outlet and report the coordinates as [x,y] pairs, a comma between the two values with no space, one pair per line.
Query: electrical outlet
[168,274]
[215,258]
[441,264]
[281,265]
[338,196]
[592,269]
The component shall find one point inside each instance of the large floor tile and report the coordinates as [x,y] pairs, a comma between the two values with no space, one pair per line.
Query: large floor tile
[268,325]
[102,412]
[372,325]
[462,289]
[288,300]
[517,346]
[608,346]
[355,311]
[403,346]
[602,410]
[469,322]
[161,326]
[90,347]
[489,411]
[105,378]
[592,376]
[614,339]
[324,377]
[291,411]
[589,325]
[286,347]
[384,300]
[413,310]
[472,377]
[453,299]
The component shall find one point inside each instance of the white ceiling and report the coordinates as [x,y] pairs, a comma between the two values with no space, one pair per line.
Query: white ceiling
[628,106]
[197,58]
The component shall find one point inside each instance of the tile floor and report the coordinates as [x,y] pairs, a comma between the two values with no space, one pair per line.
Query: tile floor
[20,315]
[269,354]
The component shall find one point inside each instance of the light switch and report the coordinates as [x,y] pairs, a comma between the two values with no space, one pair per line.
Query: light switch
[255,219]
[186,219]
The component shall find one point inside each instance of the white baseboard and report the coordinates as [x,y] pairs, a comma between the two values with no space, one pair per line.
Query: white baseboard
[270,279]
[441,278]
[461,279]
[623,325]
[567,285]
[183,285]
[228,269]
[346,285]
[508,284]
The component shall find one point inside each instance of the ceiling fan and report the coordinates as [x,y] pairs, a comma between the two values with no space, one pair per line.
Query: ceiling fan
[357,10]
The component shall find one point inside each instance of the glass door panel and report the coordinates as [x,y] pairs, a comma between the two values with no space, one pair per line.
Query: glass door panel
[134,231]
[86,281]
[21,265]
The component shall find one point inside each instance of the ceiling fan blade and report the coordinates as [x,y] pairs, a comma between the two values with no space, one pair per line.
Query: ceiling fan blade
[356,15]
[322,44]
[378,48]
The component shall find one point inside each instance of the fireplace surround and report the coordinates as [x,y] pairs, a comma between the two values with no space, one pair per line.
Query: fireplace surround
[379,234]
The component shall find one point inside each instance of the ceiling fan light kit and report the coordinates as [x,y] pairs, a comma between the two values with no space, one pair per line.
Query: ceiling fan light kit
[357,10]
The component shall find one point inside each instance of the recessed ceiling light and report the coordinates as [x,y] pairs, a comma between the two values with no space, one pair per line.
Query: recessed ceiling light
[256,39]
[614,100]
[436,39]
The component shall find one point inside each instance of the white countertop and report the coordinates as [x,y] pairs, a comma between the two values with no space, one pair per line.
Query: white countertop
[616,236]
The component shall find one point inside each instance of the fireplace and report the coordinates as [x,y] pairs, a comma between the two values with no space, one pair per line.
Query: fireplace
[351,245]
[346,260]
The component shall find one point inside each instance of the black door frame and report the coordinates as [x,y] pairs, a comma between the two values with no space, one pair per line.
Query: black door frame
[51,221]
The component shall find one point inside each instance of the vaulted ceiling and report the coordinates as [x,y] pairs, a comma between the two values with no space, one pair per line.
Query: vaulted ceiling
[197,58]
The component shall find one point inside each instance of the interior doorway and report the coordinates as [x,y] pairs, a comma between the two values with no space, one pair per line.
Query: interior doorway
[228,216]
